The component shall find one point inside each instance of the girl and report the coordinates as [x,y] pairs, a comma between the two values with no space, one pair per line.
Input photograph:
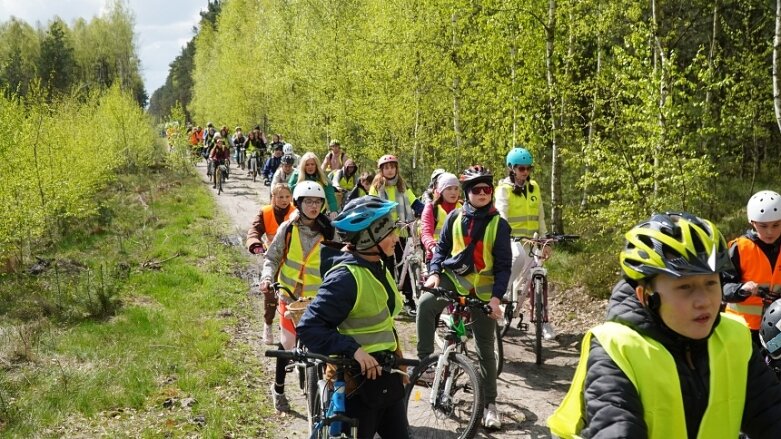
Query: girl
[308,171]
[446,198]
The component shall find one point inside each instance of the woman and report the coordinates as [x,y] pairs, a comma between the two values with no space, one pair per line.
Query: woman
[343,180]
[296,245]
[445,198]
[519,201]
[472,257]
[389,185]
[261,235]
[218,156]
[667,364]
[353,315]
[308,171]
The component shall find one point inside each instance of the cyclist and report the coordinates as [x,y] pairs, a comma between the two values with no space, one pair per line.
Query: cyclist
[755,260]
[519,201]
[238,140]
[428,194]
[667,364]
[445,198]
[353,313]
[272,163]
[472,257]
[218,156]
[293,258]
[361,187]
[308,171]
[287,149]
[208,139]
[276,141]
[343,180]
[284,171]
[334,159]
[260,236]
[255,143]
[389,185]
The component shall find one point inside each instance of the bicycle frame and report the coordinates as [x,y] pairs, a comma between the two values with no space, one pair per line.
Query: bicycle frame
[411,257]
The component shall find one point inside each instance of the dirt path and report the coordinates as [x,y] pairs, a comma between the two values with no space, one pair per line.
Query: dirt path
[534,391]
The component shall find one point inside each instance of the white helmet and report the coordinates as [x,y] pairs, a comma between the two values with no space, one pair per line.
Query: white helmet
[764,207]
[308,188]
[287,149]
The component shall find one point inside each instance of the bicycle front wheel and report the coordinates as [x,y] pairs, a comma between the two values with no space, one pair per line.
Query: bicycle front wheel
[312,396]
[452,410]
[539,285]
[499,349]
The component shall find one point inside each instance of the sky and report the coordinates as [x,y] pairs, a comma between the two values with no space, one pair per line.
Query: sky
[162,27]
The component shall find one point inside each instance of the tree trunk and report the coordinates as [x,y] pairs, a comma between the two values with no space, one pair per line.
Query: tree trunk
[456,86]
[592,116]
[550,35]
[663,90]
[776,48]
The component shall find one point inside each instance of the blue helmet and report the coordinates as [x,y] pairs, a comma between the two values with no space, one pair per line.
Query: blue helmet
[519,156]
[365,221]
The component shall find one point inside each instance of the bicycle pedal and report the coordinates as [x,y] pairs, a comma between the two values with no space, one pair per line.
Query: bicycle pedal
[523,326]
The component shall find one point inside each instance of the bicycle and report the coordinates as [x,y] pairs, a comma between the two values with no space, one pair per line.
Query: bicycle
[450,404]
[329,401]
[241,157]
[537,286]
[254,164]
[220,174]
[411,264]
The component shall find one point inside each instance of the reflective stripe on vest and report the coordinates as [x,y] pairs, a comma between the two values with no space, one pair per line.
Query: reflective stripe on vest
[482,282]
[523,212]
[300,272]
[370,322]
[270,220]
[754,266]
[441,217]
[651,369]
[346,183]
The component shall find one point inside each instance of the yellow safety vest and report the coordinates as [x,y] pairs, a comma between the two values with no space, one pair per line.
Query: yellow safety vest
[301,272]
[346,183]
[481,282]
[441,217]
[390,191]
[523,212]
[370,322]
[652,370]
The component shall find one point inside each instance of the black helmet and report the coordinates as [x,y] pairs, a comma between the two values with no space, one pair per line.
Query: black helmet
[769,332]
[288,159]
[476,174]
[676,244]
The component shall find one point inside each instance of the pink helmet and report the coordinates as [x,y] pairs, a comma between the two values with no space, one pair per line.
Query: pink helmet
[387,158]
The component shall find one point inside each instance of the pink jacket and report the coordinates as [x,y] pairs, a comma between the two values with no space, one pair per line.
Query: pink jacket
[428,222]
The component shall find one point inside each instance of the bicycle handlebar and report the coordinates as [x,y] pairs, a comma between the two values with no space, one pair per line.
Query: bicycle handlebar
[301,355]
[453,296]
[767,296]
[276,286]
[546,238]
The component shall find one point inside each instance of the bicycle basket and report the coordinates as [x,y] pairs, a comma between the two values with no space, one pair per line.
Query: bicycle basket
[295,310]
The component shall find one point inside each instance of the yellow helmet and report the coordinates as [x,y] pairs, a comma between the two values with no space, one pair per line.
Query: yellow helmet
[676,244]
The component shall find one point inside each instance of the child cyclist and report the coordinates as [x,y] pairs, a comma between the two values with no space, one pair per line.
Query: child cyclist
[389,185]
[261,235]
[353,315]
[308,171]
[472,257]
[519,201]
[445,198]
[667,364]
[293,259]
[755,260]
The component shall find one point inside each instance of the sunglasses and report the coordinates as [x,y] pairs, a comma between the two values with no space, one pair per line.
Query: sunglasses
[477,190]
[522,168]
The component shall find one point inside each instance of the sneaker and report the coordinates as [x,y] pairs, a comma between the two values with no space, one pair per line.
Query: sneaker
[548,333]
[410,308]
[268,335]
[491,417]
[280,401]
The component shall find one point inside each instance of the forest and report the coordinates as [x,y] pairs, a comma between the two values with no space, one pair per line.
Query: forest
[628,106]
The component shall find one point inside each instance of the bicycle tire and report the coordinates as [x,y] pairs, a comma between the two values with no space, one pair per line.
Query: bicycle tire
[414,280]
[463,418]
[220,179]
[499,349]
[509,307]
[312,396]
[538,314]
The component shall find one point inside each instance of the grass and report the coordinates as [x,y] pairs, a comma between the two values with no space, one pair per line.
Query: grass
[129,331]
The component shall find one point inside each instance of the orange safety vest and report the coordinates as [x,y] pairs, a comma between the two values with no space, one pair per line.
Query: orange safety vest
[270,220]
[754,266]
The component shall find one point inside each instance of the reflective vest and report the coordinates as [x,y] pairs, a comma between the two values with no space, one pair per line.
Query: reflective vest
[370,322]
[346,183]
[651,368]
[270,220]
[754,266]
[390,195]
[481,282]
[301,272]
[441,218]
[523,212]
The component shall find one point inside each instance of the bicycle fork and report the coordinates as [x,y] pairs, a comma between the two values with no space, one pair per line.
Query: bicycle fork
[442,362]
[539,274]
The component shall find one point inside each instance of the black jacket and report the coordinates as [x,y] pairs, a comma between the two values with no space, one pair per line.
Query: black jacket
[613,407]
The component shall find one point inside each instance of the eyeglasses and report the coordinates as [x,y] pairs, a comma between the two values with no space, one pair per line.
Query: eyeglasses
[312,202]
[522,168]
[477,190]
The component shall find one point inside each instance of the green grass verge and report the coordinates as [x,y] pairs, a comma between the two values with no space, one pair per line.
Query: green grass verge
[129,331]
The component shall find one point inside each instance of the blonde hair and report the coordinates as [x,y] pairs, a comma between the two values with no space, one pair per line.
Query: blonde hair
[322,179]
[278,187]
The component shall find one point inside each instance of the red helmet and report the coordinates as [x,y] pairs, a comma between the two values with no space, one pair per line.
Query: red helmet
[387,158]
